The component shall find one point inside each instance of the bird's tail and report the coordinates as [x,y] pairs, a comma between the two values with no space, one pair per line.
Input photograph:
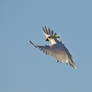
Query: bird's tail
[71,62]
[33,44]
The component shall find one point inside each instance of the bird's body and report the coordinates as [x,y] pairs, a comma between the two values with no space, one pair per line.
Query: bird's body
[56,48]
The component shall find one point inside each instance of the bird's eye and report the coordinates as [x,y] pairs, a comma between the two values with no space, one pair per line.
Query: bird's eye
[47,39]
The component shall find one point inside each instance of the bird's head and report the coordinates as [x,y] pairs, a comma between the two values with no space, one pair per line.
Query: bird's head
[49,38]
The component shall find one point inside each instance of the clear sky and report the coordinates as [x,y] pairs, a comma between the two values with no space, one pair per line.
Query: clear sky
[26,69]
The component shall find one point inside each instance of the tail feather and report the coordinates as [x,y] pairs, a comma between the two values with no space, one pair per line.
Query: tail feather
[33,44]
[71,62]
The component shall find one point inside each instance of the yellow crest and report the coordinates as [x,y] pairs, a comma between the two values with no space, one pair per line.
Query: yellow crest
[56,36]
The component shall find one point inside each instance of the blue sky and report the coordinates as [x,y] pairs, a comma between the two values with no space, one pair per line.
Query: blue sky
[26,69]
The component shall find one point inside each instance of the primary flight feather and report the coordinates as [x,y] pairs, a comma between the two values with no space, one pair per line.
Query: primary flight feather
[56,49]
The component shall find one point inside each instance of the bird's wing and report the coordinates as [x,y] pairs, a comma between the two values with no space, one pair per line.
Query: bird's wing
[44,48]
[71,62]
[66,50]
[48,32]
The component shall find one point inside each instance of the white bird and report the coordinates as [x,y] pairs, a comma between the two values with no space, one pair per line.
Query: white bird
[56,49]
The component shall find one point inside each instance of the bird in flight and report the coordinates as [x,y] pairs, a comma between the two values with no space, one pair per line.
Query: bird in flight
[56,49]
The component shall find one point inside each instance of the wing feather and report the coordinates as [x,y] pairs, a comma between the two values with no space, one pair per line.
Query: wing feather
[48,32]
[67,51]
[45,48]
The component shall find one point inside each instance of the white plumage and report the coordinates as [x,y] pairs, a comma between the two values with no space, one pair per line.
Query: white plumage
[56,48]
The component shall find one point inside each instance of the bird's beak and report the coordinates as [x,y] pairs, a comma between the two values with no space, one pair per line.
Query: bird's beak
[47,39]
[56,36]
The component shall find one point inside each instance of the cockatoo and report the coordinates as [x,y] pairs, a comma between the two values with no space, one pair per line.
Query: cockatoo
[56,49]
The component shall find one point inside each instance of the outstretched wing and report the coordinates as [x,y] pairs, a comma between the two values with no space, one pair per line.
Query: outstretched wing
[48,32]
[44,48]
